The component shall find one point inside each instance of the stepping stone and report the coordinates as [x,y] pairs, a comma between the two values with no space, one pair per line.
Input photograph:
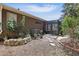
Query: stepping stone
[52,44]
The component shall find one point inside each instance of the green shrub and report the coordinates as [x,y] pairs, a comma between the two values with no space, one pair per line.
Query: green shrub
[11,24]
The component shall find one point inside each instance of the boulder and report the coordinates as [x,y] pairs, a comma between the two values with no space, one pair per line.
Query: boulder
[19,41]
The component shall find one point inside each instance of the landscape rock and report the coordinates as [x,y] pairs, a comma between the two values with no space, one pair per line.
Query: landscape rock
[19,41]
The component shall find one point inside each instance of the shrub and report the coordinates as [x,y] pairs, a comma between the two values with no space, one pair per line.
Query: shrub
[11,24]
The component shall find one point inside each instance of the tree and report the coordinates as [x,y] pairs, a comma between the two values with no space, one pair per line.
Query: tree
[70,23]
[71,9]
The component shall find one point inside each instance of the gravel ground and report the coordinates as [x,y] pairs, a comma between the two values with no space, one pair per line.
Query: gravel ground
[40,47]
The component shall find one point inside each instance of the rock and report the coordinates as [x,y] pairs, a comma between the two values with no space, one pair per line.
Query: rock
[63,39]
[15,42]
[52,44]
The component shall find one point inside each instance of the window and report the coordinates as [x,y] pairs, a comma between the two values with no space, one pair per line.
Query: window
[49,27]
[23,20]
[46,27]
[11,16]
[11,21]
[54,27]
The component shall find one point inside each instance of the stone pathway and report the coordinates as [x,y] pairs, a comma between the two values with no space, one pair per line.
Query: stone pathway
[41,47]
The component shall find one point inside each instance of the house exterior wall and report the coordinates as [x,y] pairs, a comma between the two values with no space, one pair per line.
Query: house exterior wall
[4,22]
[30,23]
[34,24]
[52,27]
[0,19]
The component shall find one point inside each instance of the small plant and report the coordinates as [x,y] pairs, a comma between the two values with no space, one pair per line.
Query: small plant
[11,24]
